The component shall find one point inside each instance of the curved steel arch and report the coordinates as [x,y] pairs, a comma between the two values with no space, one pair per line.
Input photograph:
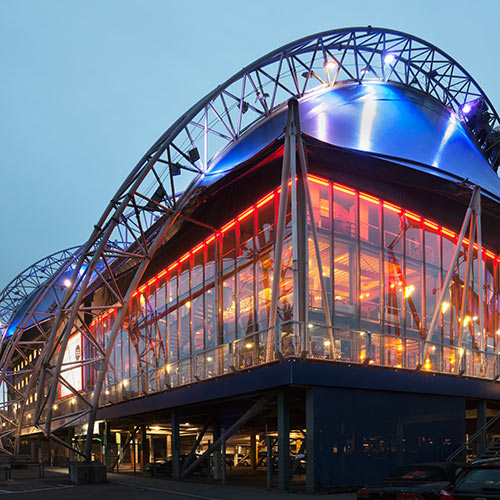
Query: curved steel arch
[28,281]
[32,284]
[194,143]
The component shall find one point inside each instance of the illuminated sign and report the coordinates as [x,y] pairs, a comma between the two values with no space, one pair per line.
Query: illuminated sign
[72,357]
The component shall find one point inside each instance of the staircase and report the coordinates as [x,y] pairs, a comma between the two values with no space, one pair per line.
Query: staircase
[493,451]
[471,449]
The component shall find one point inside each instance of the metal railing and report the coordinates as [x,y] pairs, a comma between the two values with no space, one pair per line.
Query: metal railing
[307,341]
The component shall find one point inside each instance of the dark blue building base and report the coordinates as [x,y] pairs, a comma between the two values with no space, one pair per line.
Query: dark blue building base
[361,435]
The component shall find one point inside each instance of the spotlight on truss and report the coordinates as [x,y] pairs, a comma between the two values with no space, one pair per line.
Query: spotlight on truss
[244,107]
[330,65]
[194,155]
[389,59]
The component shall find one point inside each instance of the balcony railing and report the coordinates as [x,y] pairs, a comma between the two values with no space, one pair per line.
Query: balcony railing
[311,341]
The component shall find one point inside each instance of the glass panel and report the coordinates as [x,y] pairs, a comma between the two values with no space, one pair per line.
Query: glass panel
[172,288]
[246,236]
[315,295]
[285,301]
[197,323]
[210,319]
[161,332]
[432,257]
[184,279]
[369,297]
[228,309]
[393,230]
[160,297]
[228,242]
[413,286]
[344,213]
[320,197]
[172,336]
[344,276]
[185,330]
[197,271]
[265,224]
[369,221]
[246,313]
[210,262]
[264,267]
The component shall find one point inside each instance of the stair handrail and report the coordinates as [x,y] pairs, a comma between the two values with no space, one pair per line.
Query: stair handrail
[476,435]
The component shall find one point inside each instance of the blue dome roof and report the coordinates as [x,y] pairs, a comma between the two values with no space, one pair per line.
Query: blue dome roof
[381,119]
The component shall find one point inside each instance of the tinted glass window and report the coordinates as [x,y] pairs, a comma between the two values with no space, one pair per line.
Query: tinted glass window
[419,473]
[479,480]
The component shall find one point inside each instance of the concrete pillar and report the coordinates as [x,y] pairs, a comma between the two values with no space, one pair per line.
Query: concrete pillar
[176,445]
[33,451]
[480,423]
[70,434]
[253,450]
[217,453]
[105,435]
[310,461]
[283,441]
[39,447]
[144,447]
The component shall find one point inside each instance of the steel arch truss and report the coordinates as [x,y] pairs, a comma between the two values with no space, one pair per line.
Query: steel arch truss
[148,207]
[36,284]
[27,282]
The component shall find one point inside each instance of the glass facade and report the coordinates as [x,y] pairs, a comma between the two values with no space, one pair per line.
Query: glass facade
[207,313]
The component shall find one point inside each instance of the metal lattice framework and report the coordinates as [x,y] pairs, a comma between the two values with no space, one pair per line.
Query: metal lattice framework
[28,281]
[147,207]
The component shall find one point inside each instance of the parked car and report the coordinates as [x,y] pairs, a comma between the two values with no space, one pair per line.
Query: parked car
[412,482]
[478,481]
[161,466]
[164,466]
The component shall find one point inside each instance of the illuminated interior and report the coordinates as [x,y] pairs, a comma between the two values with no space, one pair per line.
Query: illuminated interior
[207,312]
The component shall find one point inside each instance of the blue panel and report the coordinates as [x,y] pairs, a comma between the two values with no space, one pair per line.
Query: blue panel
[383,119]
[360,436]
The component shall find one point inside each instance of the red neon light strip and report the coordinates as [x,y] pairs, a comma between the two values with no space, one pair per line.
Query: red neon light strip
[430,224]
[318,180]
[184,257]
[369,198]
[246,213]
[197,248]
[413,216]
[339,187]
[448,233]
[392,207]
[266,199]
[228,226]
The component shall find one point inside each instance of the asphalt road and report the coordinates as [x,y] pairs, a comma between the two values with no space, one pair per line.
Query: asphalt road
[56,486]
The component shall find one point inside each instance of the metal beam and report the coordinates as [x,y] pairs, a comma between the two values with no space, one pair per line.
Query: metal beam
[257,408]
[437,311]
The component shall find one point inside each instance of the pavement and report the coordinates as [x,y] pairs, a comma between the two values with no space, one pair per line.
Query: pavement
[25,484]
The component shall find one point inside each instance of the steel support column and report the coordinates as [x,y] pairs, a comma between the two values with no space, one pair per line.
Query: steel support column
[283,441]
[217,438]
[310,462]
[471,210]
[480,424]
[176,444]
[253,450]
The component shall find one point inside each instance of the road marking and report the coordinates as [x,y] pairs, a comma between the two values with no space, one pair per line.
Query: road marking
[13,492]
[191,495]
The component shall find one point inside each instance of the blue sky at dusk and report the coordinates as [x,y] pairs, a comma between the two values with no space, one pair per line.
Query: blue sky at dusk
[87,86]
